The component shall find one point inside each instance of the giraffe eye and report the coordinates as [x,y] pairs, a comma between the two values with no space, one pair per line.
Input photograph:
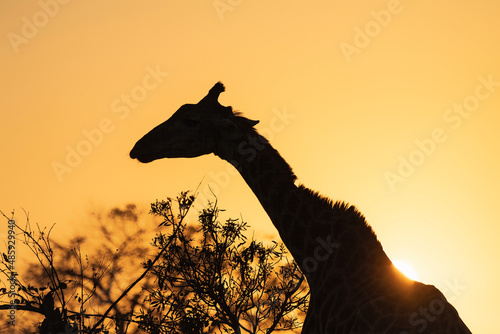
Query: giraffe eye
[191,122]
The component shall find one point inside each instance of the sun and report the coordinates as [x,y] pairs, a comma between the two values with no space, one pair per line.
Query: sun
[406,269]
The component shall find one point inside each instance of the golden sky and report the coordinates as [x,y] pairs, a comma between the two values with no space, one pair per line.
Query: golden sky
[392,106]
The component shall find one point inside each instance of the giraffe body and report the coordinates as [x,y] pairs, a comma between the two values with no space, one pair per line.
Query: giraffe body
[354,286]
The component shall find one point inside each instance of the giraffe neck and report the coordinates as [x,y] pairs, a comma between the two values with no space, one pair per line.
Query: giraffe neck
[310,226]
[268,175]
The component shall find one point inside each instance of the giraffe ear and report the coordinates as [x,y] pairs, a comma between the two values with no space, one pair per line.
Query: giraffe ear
[247,121]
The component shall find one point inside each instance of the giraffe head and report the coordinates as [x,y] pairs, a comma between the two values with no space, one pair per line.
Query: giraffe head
[194,130]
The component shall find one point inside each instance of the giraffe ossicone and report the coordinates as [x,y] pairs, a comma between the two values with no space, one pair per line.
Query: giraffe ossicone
[354,286]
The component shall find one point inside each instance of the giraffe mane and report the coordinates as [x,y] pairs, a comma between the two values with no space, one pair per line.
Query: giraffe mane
[344,209]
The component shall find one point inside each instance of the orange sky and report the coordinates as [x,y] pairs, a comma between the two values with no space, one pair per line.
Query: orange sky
[390,105]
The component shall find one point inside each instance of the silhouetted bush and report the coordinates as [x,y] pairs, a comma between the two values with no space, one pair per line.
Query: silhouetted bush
[200,278]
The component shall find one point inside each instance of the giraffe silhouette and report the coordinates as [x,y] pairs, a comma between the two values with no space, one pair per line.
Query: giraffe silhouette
[354,286]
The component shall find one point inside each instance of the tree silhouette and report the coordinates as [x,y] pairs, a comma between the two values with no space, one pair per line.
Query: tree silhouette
[70,289]
[210,278]
[199,278]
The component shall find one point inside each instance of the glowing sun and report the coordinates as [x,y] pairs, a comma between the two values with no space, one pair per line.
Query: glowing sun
[406,269]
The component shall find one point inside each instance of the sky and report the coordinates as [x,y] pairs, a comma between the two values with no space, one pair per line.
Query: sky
[392,106]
